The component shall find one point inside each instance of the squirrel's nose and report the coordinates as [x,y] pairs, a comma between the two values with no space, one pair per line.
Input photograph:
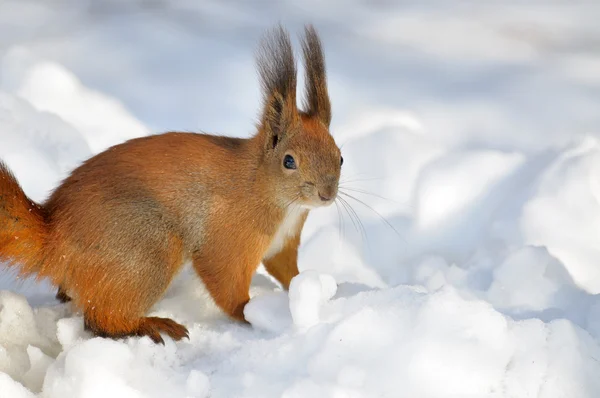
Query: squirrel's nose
[324,198]
[329,190]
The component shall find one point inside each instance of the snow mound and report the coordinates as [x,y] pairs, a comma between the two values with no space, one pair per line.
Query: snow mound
[564,213]
[532,280]
[450,185]
[50,87]
[101,367]
[444,344]
[39,147]
[27,339]
[277,311]
[308,292]
[269,312]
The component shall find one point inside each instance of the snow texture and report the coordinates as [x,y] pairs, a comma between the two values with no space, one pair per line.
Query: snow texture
[471,139]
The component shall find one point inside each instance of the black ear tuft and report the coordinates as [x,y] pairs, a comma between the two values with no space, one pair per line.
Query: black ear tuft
[276,64]
[277,69]
[317,98]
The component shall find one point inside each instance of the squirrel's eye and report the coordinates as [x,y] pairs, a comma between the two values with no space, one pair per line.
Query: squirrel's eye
[341,160]
[289,162]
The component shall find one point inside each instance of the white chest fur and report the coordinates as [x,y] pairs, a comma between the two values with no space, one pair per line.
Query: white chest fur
[287,229]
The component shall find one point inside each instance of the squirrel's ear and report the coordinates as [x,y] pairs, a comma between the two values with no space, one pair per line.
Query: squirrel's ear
[316,102]
[277,69]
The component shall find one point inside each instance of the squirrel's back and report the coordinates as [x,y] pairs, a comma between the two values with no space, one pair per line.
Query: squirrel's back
[166,183]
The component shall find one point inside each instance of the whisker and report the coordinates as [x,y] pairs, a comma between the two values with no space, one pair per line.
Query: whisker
[369,193]
[290,203]
[354,215]
[361,180]
[354,175]
[344,205]
[362,225]
[376,212]
[340,221]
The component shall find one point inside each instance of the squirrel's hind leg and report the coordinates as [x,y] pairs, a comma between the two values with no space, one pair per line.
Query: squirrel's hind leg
[121,313]
[115,297]
[147,326]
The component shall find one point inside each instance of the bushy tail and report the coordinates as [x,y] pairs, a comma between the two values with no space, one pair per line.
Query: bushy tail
[23,230]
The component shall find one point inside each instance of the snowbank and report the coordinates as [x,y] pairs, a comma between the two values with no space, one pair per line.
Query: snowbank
[371,343]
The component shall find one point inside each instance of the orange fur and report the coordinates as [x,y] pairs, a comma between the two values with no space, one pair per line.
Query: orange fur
[23,231]
[114,234]
[283,266]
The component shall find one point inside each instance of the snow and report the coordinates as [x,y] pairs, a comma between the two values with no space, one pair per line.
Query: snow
[471,140]
[50,87]
[307,293]
[568,200]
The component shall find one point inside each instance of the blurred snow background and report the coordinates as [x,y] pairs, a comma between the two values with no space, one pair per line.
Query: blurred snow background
[472,128]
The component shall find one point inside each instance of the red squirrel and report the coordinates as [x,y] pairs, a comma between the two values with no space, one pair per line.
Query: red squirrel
[116,231]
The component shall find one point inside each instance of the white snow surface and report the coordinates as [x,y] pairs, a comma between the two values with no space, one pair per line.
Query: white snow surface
[471,139]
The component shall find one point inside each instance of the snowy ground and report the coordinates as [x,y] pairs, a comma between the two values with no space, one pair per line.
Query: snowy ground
[474,128]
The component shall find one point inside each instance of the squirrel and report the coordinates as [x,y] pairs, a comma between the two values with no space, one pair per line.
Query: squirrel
[117,230]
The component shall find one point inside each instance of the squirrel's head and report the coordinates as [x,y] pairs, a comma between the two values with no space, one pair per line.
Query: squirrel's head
[301,156]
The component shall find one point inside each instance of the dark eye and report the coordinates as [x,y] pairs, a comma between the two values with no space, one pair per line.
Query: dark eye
[289,162]
[341,160]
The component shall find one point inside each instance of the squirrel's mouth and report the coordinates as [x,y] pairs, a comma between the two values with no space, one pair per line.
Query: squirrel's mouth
[320,200]
[318,196]
[327,199]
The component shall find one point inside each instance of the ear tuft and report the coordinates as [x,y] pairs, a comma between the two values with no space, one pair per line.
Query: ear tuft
[316,102]
[277,69]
